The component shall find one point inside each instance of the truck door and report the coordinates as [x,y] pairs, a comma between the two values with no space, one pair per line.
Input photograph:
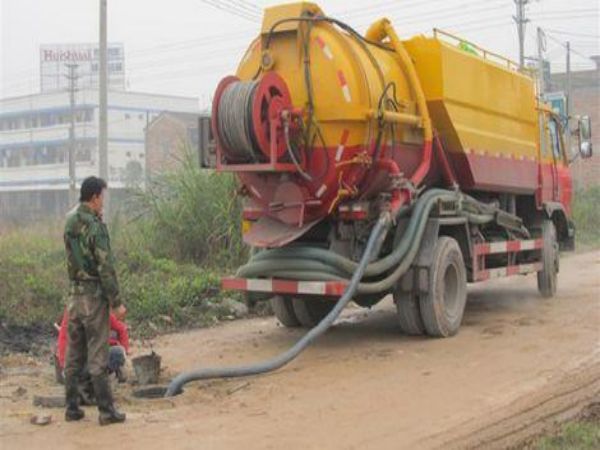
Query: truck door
[564,179]
[551,160]
[556,155]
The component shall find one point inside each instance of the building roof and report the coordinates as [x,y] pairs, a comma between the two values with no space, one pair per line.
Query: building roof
[186,119]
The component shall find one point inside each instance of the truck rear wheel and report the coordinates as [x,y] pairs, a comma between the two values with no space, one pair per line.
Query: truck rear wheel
[442,307]
[310,311]
[547,277]
[408,310]
[284,311]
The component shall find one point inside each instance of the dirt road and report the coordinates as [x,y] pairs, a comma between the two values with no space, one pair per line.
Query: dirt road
[518,364]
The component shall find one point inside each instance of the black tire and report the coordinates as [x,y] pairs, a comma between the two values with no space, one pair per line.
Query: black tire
[547,277]
[284,311]
[443,306]
[310,311]
[408,310]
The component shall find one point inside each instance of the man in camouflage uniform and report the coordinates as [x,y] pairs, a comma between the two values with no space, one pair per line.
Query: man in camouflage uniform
[94,290]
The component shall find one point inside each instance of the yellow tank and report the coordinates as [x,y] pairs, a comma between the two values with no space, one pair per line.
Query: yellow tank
[376,104]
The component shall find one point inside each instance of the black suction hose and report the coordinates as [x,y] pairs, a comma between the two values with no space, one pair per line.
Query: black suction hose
[282,359]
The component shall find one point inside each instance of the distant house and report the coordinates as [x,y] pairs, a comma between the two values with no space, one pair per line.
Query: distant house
[585,100]
[168,137]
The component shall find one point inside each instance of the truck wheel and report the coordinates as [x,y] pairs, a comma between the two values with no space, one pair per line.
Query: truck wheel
[284,311]
[547,276]
[409,311]
[443,306]
[310,311]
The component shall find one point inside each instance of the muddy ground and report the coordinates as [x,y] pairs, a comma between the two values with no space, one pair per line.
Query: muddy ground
[519,365]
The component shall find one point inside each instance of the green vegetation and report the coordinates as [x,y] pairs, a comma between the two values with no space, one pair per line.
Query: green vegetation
[191,215]
[586,215]
[573,436]
[172,246]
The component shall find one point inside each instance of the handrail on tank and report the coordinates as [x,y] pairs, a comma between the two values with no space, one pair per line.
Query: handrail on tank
[485,54]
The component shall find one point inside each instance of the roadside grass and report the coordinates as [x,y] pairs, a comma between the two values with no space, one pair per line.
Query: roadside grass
[573,436]
[172,246]
[586,215]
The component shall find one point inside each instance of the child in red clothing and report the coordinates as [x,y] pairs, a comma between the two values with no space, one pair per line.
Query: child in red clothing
[118,341]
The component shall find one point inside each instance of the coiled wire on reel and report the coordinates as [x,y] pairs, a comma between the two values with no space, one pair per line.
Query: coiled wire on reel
[235,123]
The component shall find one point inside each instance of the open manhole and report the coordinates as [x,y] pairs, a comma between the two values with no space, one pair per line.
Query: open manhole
[152,392]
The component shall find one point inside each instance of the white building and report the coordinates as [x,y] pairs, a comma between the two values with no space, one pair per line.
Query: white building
[34,144]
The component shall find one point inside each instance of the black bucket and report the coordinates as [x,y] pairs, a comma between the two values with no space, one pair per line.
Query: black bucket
[147,368]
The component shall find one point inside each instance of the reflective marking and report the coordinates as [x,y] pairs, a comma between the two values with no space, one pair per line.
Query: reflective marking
[527,245]
[255,191]
[346,91]
[340,149]
[344,85]
[256,284]
[311,287]
[324,47]
[321,190]
[338,153]
[498,247]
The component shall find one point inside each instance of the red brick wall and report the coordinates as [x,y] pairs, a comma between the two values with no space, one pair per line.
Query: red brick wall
[586,101]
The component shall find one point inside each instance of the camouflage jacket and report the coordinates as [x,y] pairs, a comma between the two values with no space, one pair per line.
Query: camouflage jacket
[89,257]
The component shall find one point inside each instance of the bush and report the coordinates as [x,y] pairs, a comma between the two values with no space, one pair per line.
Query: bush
[192,215]
[33,277]
[160,293]
[586,215]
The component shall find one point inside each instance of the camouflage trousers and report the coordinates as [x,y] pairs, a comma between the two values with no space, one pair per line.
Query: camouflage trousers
[88,331]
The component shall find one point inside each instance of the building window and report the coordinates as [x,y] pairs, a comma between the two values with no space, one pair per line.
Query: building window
[84,154]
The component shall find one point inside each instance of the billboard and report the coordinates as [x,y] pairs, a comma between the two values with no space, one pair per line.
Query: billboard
[55,58]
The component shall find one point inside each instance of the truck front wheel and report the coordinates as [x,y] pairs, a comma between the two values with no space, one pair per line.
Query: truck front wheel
[442,307]
[547,276]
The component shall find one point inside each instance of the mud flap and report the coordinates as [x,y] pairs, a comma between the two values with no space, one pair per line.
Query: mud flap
[268,232]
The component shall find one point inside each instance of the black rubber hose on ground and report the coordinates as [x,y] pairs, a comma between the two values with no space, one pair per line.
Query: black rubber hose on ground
[282,359]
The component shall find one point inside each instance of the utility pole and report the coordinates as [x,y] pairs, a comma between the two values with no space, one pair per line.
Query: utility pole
[72,77]
[541,46]
[568,105]
[521,21]
[102,104]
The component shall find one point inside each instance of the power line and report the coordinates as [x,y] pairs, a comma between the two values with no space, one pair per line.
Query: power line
[232,10]
[570,33]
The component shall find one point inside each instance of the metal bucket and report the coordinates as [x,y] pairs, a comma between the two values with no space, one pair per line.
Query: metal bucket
[147,368]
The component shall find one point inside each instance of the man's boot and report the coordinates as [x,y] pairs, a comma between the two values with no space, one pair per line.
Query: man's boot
[73,412]
[108,414]
[86,391]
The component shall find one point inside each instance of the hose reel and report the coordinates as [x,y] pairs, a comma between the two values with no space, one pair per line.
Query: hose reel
[247,118]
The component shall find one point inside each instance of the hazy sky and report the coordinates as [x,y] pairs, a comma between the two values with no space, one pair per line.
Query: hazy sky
[184,47]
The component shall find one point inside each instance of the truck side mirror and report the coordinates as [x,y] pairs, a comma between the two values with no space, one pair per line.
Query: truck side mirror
[585,137]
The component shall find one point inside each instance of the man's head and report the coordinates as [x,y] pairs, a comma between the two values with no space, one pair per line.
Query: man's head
[92,193]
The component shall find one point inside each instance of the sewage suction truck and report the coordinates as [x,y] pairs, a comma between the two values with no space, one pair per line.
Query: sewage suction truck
[370,165]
